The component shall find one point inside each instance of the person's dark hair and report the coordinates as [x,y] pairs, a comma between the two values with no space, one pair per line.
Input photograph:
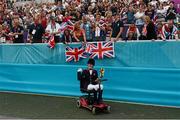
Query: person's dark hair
[91,61]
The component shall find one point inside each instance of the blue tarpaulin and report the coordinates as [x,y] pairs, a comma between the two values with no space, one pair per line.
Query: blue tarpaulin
[142,72]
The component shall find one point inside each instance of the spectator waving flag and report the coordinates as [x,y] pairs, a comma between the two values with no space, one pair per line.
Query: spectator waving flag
[74,53]
[102,49]
[65,26]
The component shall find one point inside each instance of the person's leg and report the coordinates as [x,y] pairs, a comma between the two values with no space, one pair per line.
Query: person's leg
[100,99]
[100,92]
[93,87]
[95,97]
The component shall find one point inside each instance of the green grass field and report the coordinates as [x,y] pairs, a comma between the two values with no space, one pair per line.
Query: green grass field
[21,106]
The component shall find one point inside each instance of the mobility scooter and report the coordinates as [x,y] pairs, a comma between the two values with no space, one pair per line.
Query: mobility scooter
[88,101]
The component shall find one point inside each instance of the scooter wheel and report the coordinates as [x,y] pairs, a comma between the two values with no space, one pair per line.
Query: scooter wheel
[108,109]
[78,103]
[93,110]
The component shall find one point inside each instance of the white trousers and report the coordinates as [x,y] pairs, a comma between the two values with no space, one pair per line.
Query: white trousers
[94,87]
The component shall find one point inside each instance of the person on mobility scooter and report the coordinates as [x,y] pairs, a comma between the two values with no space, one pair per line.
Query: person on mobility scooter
[91,84]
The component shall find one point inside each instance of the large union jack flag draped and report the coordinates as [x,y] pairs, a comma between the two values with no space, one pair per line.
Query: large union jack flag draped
[98,50]
[74,53]
[101,50]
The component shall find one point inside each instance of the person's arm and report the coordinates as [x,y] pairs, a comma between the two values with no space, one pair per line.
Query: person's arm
[110,36]
[74,35]
[84,36]
[96,77]
[138,33]
[30,30]
[42,29]
[162,33]
[19,33]
[120,32]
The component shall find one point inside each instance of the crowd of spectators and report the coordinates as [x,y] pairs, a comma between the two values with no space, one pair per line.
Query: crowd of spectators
[89,20]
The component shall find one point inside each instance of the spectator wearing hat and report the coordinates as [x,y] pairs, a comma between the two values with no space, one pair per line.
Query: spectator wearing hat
[90,75]
[53,28]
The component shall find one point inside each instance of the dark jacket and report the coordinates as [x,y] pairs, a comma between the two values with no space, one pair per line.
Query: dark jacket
[88,79]
[37,36]
[151,33]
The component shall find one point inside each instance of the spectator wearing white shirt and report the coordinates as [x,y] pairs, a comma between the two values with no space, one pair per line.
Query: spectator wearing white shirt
[54,29]
[161,13]
[139,16]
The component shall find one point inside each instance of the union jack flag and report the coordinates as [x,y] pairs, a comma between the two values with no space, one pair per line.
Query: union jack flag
[74,53]
[102,49]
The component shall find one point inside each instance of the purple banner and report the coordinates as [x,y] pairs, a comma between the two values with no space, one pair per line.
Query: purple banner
[177,5]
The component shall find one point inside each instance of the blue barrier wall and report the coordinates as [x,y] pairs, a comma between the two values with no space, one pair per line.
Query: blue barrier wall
[141,85]
[128,54]
[145,72]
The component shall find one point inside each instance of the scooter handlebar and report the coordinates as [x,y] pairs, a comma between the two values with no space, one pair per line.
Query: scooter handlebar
[102,80]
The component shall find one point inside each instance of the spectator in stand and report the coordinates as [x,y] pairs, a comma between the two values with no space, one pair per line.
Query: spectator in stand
[36,31]
[148,32]
[59,16]
[79,34]
[90,15]
[169,31]
[132,33]
[150,11]
[54,29]
[17,31]
[67,37]
[60,6]
[130,15]
[4,31]
[98,29]
[116,29]
[161,13]
[2,35]
[98,14]
[86,25]
[44,19]
[171,12]
[139,16]
[159,31]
